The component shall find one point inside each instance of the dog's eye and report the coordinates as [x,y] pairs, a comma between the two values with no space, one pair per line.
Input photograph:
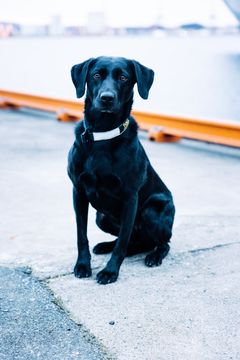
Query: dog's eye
[123,78]
[97,76]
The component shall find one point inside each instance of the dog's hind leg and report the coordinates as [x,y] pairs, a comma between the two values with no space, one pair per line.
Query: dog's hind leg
[107,225]
[155,257]
[139,243]
[105,247]
[158,217]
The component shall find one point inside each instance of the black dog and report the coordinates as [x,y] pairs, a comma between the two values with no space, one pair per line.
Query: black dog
[109,169]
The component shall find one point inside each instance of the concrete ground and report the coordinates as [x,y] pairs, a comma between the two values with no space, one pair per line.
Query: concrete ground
[188,308]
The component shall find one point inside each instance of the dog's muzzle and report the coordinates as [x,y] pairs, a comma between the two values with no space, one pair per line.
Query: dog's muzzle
[107,101]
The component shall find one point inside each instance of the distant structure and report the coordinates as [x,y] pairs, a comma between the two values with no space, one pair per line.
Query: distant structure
[8,29]
[34,30]
[234,6]
[96,24]
[162,26]
[56,27]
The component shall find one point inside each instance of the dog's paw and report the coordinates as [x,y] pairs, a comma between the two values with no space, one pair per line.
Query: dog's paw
[107,276]
[82,270]
[153,259]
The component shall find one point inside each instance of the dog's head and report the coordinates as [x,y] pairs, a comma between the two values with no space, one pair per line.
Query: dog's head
[110,81]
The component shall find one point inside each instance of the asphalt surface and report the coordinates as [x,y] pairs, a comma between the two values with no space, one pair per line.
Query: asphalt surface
[188,308]
[33,325]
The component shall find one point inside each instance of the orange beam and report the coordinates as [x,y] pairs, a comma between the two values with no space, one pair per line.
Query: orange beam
[160,127]
[163,127]
[66,109]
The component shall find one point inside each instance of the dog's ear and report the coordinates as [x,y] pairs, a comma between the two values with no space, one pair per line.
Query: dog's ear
[79,76]
[144,77]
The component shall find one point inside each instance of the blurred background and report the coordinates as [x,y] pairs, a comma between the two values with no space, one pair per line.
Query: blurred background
[192,45]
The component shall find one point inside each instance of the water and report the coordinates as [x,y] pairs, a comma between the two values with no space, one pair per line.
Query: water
[196,76]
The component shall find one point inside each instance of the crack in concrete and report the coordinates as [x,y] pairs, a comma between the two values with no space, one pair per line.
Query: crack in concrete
[212,248]
[194,252]
[47,278]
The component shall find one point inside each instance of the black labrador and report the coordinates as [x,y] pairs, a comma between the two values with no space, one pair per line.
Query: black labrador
[110,170]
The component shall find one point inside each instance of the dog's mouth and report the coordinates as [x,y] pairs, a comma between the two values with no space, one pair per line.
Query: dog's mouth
[106,108]
[108,111]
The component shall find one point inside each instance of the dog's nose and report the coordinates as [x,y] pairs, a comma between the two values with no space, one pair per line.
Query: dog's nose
[107,97]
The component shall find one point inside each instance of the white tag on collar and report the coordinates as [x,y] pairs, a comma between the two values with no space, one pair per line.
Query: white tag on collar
[107,135]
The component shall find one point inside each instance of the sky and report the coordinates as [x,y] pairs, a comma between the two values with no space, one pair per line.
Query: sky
[117,13]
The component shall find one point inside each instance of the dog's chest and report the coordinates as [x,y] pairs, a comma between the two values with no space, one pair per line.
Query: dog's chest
[102,178]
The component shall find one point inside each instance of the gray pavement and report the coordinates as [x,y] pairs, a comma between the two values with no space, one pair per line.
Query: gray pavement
[188,308]
[33,326]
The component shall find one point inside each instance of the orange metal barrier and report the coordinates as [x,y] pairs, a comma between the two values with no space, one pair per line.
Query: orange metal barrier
[66,110]
[172,128]
[159,127]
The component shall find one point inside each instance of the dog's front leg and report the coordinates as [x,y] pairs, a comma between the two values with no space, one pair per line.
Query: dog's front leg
[80,203]
[110,273]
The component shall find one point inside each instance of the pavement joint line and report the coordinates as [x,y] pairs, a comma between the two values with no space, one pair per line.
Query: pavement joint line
[47,278]
[28,269]
[57,301]
[87,334]
[196,251]
[171,257]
